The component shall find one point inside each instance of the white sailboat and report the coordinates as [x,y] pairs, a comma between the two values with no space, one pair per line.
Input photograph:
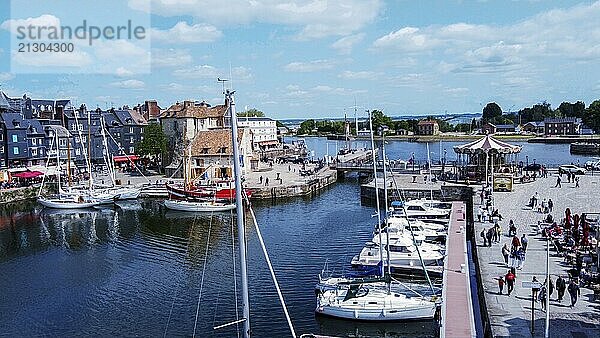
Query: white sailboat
[367,299]
[198,206]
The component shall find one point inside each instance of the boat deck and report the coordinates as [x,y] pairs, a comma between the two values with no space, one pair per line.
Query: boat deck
[457,310]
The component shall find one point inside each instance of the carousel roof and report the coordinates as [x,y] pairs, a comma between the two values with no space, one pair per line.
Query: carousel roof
[487,144]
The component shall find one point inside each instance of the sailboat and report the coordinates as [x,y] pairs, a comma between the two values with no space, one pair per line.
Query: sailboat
[374,299]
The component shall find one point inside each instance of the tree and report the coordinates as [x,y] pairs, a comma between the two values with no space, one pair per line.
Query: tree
[251,113]
[307,127]
[279,124]
[154,144]
[491,112]
[380,119]
[592,116]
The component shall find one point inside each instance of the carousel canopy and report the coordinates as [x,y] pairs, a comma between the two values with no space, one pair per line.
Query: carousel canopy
[487,144]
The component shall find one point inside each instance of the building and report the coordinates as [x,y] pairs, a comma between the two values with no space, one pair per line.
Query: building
[534,127]
[428,127]
[562,126]
[212,153]
[263,131]
[404,132]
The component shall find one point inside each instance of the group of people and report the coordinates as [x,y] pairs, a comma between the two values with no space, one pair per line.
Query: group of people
[543,207]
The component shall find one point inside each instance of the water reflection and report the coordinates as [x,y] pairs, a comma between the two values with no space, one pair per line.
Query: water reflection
[347,328]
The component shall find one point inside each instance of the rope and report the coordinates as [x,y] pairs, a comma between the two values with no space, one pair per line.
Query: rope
[203,270]
[264,249]
[237,316]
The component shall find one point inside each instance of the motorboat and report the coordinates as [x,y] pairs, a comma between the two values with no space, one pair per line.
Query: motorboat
[430,204]
[420,211]
[397,226]
[198,206]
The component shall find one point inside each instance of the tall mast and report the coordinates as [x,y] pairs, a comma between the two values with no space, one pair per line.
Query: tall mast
[385,194]
[69,163]
[240,212]
[355,117]
[89,146]
[58,159]
[376,193]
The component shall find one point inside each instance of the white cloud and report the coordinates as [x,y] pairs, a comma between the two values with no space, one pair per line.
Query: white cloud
[6,77]
[241,74]
[311,66]
[129,84]
[46,20]
[170,57]
[361,75]
[186,34]
[407,39]
[314,18]
[123,72]
[201,71]
[345,44]
[460,91]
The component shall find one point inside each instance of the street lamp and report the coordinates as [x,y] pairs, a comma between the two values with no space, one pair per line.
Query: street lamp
[413,162]
[444,164]
[526,161]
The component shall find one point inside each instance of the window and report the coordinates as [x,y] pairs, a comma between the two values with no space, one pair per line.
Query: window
[15,138]
[204,151]
[33,141]
[80,126]
[131,139]
[62,142]
[77,152]
[131,130]
[131,150]
[34,152]
[16,150]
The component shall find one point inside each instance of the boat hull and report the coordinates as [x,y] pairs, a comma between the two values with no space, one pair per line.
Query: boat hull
[198,206]
[378,315]
[62,204]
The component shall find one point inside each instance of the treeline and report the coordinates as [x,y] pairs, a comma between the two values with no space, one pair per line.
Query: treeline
[590,116]
[312,127]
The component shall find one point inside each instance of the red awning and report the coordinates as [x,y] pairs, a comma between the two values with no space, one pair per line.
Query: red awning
[28,174]
[124,158]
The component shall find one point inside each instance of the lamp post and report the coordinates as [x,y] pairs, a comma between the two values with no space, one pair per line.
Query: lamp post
[413,162]
[444,164]
[526,161]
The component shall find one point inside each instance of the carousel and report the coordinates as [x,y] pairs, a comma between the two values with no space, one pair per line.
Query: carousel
[487,157]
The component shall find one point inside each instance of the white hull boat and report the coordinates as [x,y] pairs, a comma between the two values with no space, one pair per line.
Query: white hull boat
[373,304]
[198,206]
[125,193]
[67,203]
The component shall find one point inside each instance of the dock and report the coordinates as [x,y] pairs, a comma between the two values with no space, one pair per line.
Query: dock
[510,316]
[457,308]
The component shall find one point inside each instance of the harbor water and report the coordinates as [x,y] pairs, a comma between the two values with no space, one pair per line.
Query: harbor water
[140,270]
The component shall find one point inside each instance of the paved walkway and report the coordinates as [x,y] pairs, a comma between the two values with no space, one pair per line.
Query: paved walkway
[457,313]
[511,315]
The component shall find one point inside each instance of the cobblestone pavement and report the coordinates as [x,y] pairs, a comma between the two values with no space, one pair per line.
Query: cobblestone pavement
[511,315]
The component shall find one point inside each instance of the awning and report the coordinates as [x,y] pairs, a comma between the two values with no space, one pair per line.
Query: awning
[125,158]
[28,174]
[268,143]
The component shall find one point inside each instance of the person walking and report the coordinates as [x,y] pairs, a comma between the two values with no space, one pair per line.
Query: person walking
[505,253]
[512,229]
[489,235]
[535,291]
[524,242]
[515,243]
[561,286]
[574,292]
[500,284]
[482,234]
[479,213]
[576,182]
[510,281]
[550,288]
[542,297]
[550,204]
[497,232]
[558,182]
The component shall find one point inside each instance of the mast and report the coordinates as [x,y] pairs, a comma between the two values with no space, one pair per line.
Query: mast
[89,146]
[429,165]
[69,162]
[58,159]
[378,213]
[385,194]
[240,212]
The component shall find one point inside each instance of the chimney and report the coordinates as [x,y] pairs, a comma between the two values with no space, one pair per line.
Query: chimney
[187,104]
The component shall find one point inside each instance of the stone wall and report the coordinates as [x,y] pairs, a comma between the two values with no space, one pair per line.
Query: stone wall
[310,187]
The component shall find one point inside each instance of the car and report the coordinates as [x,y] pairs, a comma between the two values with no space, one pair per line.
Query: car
[593,164]
[571,168]
[533,167]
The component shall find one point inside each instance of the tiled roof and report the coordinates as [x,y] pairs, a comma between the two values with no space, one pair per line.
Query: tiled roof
[190,109]
[426,122]
[59,130]
[210,142]
[562,120]
[4,101]
[13,121]
[125,115]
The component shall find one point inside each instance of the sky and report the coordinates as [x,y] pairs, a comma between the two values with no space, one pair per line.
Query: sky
[318,58]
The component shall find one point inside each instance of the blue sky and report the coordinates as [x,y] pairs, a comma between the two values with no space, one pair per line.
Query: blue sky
[315,58]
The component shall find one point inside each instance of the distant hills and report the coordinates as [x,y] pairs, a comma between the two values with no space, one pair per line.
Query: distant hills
[452,118]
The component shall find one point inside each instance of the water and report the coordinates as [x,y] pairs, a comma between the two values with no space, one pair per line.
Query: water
[552,155]
[138,269]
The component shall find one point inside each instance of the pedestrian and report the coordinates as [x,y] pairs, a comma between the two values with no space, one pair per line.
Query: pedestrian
[481,195]
[568,177]
[289,167]
[479,213]
[489,235]
[557,182]
[574,292]
[535,290]
[561,286]
[482,234]
[550,288]
[515,243]
[550,204]
[535,199]
[510,281]
[505,253]
[500,284]
[576,182]
[542,297]
[512,229]
[524,242]
[497,232]
[260,180]
[267,181]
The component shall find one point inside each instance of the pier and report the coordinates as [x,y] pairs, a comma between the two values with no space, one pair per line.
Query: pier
[457,308]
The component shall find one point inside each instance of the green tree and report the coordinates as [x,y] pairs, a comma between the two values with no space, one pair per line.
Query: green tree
[491,112]
[380,119]
[307,127]
[154,144]
[592,116]
[251,113]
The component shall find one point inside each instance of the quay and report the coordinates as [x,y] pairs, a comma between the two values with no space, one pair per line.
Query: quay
[510,316]
[457,319]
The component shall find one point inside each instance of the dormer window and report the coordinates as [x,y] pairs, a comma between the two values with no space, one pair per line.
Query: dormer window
[16,123]
[222,150]
[204,151]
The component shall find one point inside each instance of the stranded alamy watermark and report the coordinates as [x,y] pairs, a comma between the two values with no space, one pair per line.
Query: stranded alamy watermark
[89,33]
